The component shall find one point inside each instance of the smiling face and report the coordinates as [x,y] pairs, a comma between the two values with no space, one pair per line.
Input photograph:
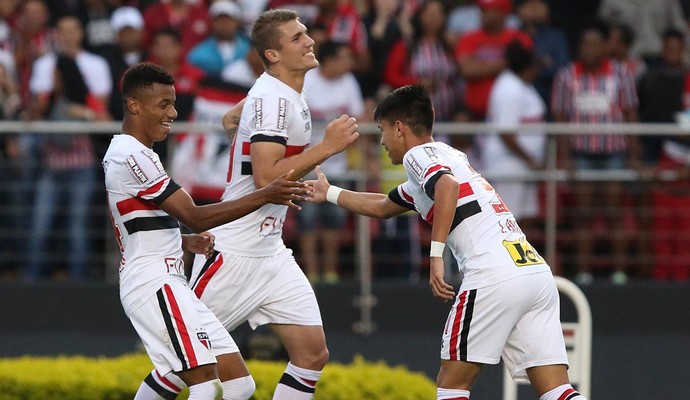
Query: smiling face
[153,111]
[296,51]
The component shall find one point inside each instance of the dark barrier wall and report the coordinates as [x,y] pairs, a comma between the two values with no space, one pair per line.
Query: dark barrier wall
[641,345]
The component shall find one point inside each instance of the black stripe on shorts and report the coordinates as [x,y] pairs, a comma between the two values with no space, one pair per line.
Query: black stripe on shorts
[465,332]
[171,328]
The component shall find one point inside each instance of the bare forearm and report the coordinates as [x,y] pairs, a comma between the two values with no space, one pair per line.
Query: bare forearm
[445,204]
[375,205]
[302,164]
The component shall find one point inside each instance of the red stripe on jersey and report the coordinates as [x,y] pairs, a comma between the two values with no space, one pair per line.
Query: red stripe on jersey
[167,382]
[465,190]
[181,327]
[153,189]
[407,197]
[294,150]
[132,204]
[245,148]
[434,169]
[203,281]
[455,331]
[566,393]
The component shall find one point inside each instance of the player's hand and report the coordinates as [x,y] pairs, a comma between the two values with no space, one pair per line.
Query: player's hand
[439,287]
[317,187]
[340,133]
[202,243]
[285,191]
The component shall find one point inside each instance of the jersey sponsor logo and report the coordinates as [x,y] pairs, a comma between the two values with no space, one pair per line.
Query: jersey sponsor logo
[154,158]
[271,226]
[258,113]
[431,152]
[282,113]
[136,169]
[522,253]
[416,168]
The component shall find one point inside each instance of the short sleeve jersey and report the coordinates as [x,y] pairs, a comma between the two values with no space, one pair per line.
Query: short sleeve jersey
[149,239]
[273,112]
[484,238]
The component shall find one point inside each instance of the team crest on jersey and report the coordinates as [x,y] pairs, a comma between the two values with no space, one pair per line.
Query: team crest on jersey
[258,113]
[282,113]
[414,165]
[203,338]
[135,169]
[431,152]
[155,160]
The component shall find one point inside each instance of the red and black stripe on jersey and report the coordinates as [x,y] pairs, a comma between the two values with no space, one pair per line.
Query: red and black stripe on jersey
[246,166]
[140,224]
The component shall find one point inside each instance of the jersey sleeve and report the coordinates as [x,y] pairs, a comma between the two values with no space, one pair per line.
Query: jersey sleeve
[269,119]
[144,177]
[400,196]
[424,168]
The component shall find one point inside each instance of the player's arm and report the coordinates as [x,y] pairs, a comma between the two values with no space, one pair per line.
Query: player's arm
[370,204]
[269,161]
[196,243]
[445,196]
[231,119]
[200,218]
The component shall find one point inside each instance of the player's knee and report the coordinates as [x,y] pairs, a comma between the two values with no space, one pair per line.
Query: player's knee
[239,389]
[206,390]
[320,359]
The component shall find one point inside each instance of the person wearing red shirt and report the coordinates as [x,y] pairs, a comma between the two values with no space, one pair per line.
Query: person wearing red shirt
[190,19]
[479,53]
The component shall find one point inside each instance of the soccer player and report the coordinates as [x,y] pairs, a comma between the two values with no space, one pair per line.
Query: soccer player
[508,304]
[254,277]
[179,332]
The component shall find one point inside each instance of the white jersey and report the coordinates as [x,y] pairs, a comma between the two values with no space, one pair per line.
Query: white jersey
[150,240]
[273,112]
[484,237]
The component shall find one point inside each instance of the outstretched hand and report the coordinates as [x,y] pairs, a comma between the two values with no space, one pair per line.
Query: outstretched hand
[439,287]
[286,191]
[201,243]
[317,187]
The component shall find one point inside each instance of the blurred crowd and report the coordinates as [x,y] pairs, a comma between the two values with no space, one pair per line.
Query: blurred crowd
[500,61]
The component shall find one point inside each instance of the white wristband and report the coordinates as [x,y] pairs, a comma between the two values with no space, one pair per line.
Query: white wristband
[333,193]
[437,249]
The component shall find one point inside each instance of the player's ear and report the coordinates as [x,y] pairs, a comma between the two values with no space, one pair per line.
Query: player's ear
[272,55]
[132,105]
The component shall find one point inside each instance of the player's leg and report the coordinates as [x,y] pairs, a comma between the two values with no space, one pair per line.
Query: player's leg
[306,347]
[158,387]
[455,379]
[551,383]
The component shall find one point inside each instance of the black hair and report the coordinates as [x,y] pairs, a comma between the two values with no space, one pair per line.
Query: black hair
[409,104]
[168,31]
[141,76]
[518,57]
[626,33]
[673,33]
[596,25]
[329,49]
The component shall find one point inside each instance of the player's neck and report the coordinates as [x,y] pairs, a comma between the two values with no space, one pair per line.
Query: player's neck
[294,79]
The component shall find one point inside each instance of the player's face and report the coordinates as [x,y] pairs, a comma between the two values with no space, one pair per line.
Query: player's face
[297,51]
[392,141]
[157,111]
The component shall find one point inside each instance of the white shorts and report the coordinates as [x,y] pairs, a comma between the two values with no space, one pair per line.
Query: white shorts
[178,331]
[261,290]
[517,319]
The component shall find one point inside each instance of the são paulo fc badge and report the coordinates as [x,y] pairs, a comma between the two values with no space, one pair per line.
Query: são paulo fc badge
[203,338]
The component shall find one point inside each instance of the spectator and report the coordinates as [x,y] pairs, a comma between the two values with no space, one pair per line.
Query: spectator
[427,59]
[226,44]
[10,220]
[342,23]
[307,10]
[188,18]
[69,84]
[127,50]
[514,101]
[166,51]
[621,38]
[95,17]
[479,54]
[466,16]
[665,91]
[550,43]
[592,89]
[331,91]
[386,24]
[648,19]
